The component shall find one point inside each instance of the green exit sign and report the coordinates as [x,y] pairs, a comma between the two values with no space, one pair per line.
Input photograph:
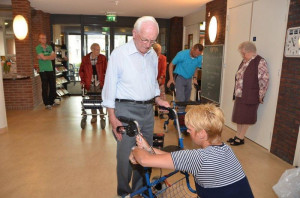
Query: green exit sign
[111,18]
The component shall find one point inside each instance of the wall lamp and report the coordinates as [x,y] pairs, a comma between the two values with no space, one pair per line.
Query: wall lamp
[20,27]
[212,29]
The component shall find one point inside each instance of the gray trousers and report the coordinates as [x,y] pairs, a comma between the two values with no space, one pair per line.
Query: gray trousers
[143,114]
[183,88]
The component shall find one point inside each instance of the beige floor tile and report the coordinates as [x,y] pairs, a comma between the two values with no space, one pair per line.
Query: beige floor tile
[47,154]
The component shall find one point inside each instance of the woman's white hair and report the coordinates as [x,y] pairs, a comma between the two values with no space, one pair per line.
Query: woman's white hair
[143,19]
[94,45]
[247,46]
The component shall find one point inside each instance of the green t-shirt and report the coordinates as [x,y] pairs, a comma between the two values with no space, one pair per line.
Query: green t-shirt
[45,65]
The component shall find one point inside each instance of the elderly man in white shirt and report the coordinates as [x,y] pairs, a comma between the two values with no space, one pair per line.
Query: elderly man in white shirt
[130,89]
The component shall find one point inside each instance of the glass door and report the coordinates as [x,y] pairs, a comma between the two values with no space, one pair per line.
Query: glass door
[96,34]
[122,36]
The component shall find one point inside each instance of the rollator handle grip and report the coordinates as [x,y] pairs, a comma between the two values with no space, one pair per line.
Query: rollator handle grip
[172,87]
[131,129]
[172,112]
[164,108]
[125,120]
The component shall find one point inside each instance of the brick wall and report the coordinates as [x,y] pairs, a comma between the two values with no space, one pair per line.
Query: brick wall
[287,118]
[26,94]
[218,9]
[176,36]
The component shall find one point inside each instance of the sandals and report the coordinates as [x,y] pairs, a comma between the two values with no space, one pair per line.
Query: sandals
[235,141]
[231,139]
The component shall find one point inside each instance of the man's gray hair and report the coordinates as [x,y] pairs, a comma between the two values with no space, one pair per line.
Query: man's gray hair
[247,46]
[143,19]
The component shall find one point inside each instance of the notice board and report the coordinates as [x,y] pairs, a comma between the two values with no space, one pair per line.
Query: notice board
[212,72]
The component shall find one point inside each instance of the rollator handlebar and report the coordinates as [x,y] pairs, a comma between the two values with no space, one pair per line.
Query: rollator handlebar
[125,119]
[172,113]
[188,103]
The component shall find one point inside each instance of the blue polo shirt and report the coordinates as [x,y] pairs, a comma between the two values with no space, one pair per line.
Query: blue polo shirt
[185,64]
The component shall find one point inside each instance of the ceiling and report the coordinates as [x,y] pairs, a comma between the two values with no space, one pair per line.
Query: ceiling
[157,8]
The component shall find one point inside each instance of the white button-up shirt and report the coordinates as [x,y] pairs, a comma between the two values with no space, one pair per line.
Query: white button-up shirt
[130,75]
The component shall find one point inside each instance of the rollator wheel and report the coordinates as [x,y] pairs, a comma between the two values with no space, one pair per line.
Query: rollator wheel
[102,123]
[83,123]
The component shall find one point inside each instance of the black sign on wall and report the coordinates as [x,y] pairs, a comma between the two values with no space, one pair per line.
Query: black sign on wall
[212,72]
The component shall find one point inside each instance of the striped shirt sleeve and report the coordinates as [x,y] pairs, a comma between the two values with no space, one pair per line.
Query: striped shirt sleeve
[188,160]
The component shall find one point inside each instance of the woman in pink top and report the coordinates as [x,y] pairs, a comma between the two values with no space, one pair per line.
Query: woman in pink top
[251,84]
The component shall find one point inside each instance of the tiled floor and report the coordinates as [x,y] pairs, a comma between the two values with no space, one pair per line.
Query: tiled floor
[46,154]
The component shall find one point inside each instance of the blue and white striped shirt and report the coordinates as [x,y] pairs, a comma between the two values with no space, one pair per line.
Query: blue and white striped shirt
[130,75]
[212,167]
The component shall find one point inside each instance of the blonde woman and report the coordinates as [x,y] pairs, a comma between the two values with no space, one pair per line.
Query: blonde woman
[216,170]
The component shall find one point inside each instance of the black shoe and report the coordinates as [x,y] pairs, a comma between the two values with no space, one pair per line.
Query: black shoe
[156,113]
[231,139]
[237,141]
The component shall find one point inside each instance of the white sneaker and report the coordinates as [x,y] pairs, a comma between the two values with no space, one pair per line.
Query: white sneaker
[56,102]
[127,196]
[48,107]
[93,120]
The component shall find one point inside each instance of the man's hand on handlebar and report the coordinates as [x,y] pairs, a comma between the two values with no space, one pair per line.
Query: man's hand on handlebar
[161,102]
[171,81]
[114,123]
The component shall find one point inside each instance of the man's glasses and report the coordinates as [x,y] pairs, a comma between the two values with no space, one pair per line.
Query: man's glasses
[145,41]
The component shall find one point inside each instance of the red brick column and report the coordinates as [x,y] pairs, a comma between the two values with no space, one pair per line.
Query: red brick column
[23,47]
[26,94]
[216,8]
[176,35]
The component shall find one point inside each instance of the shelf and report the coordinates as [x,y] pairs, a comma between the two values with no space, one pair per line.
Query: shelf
[60,68]
[61,80]
[60,71]
[62,92]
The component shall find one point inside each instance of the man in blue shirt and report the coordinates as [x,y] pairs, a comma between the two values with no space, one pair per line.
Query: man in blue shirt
[130,88]
[187,62]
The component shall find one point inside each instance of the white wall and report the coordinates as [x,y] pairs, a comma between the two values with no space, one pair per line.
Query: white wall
[2,49]
[3,119]
[191,25]
[297,152]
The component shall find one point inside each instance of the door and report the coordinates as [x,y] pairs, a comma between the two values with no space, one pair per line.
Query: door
[238,30]
[268,27]
[96,34]
[264,23]
[122,36]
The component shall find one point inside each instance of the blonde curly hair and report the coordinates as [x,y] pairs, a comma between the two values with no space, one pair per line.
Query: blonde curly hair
[208,117]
